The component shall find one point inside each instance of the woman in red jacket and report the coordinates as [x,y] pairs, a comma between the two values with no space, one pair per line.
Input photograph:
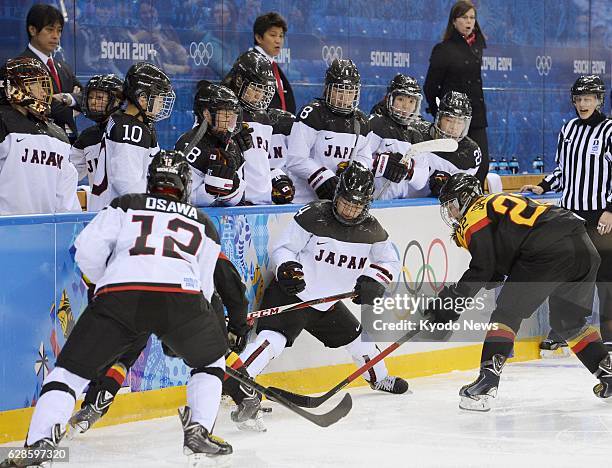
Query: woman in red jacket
[454,65]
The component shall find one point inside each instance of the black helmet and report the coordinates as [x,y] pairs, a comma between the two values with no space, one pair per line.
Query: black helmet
[147,80]
[212,97]
[403,85]
[22,79]
[252,80]
[456,106]
[110,84]
[457,195]
[590,84]
[169,173]
[355,190]
[342,86]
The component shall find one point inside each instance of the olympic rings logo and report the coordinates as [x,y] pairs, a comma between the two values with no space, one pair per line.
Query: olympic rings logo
[330,53]
[201,53]
[437,283]
[543,64]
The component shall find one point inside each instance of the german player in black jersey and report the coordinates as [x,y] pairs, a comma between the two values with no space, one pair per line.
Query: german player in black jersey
[583,175]
[217,159]
[129,139]
[252,81]
[35,173]
[543,251]
[324,135]
[152,256]
[328,248]
[102,96]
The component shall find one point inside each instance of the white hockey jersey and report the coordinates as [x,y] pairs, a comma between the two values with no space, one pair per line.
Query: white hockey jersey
[85,151]
[333,255]
[388,136]
[125,153]
[258,189]
[36,175]
[319,141]
[150,243]
[282,122]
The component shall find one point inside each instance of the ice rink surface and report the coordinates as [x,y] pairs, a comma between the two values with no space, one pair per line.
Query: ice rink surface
[545,415]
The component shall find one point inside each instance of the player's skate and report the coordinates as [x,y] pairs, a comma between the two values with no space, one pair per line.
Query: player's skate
[553,347]
[477,395]
[604,388]
[89,414]
[391,384]
[248,415]
[44,448]
[201,447]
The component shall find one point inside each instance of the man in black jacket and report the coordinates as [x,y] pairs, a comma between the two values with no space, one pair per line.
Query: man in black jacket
[269,35]
[44,24]
[454,65]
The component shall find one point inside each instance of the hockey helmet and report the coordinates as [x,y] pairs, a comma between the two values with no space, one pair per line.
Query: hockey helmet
[169,173]
[219,105]
[453,117]
[98,107]
[342,86]
[145,80]
[403,85]
[589,84]
[457,195]
[354,194]
[27,83]
[252,80]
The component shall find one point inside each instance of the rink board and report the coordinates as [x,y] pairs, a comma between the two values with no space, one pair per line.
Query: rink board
[43,295]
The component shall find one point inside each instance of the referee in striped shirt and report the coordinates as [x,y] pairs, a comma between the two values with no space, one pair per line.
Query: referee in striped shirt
[584,177]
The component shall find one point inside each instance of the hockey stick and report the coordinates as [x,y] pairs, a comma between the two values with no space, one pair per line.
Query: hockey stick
[306,401]
[442,145]
[297,306]
[322,420]
[196,138]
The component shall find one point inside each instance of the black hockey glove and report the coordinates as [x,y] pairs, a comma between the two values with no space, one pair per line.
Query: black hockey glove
[244,139]
[238,337]
[437,181]
[327,189]
[220,180]
[442,309]
[283,190]
[389,165]
[367,290]
[91,288]
[291,278]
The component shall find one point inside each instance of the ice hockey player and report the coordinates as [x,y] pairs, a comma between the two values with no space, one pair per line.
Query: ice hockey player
[252,80]
[129,140]
[407,111]
[148,283]
[329,247]
[544,252]
[323,136]
[229,292]
[283,190]
[102,96]
[35,173]
[392,133]
[217,159]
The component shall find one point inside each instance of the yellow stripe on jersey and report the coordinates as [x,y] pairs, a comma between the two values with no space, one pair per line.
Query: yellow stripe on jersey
[473,221]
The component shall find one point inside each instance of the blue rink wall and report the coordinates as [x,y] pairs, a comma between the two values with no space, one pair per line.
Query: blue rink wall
[537,48]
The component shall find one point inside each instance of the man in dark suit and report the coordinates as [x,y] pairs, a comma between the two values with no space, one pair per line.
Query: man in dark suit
[269,35]
[44,25]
